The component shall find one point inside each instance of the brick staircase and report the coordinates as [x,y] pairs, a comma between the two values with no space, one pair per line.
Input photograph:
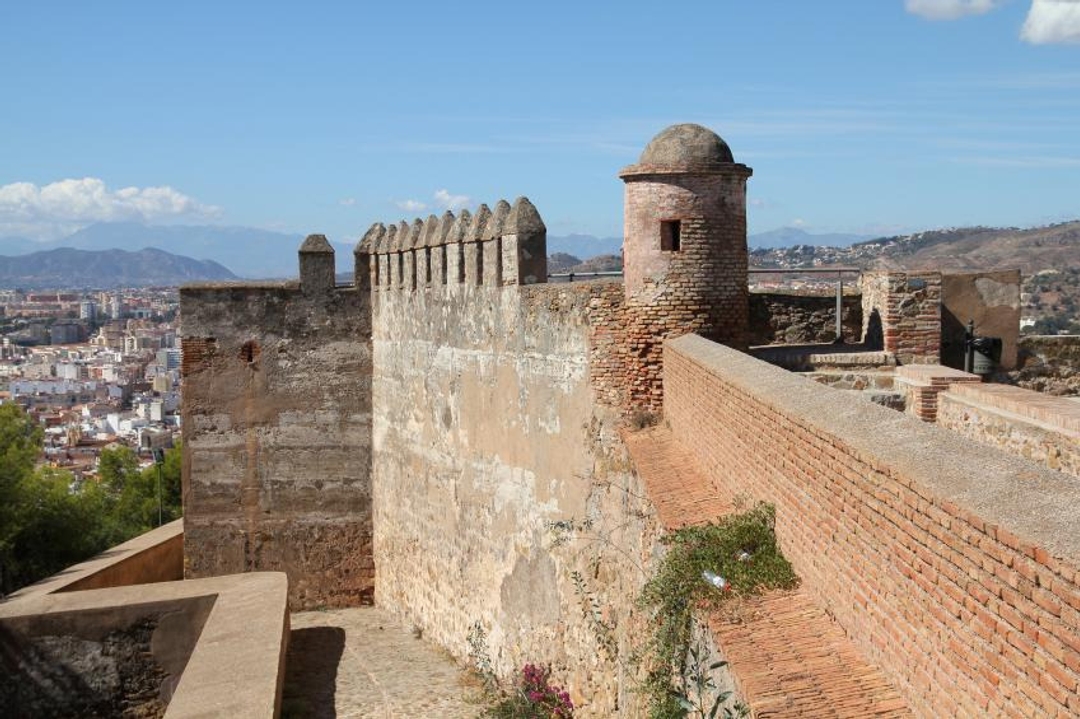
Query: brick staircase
[788,658]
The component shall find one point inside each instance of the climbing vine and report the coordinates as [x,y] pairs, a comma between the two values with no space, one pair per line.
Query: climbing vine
[704,567]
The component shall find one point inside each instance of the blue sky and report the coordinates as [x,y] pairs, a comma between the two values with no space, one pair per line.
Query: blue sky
[868,116]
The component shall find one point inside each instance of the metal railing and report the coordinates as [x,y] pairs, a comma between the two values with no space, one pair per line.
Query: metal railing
[838,271]
[571,276]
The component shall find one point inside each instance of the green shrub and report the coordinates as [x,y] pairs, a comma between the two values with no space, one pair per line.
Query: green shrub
[740,548]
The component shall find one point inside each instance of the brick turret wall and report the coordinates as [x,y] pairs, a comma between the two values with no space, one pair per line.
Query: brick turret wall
[696,283]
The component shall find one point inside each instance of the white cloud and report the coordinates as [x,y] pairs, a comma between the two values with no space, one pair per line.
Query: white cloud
[949,9]
[1052,21]
[60,208]
[451,202]
[443,199]
[411,205]
[347,202]
[757,202]
[799,222]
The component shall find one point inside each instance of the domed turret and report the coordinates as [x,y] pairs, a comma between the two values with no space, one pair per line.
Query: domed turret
[684,244]
[685,146]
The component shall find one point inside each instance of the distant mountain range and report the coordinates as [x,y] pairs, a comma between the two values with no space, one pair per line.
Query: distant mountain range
[65,267]
[956,249]
[561,262]
[255,254]
[249,251]
[792,236]
[583,246]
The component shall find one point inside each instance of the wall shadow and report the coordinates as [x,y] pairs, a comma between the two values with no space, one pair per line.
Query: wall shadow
[311,667]
[874,337]
[953,337]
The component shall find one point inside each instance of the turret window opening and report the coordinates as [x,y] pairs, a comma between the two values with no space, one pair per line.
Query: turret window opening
[670,236]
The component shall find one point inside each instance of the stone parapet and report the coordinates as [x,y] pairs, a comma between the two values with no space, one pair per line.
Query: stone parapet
[797,318]
[921,384]
[495,249]
[1040,427]
[156,556]
[218,643]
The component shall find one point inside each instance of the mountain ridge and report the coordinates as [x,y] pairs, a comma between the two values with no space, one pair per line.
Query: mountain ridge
[792,236]
[954,249]
[262,254]
[67,267]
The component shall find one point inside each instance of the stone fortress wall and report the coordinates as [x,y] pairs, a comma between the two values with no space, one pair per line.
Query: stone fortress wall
[444,435]
[1049,363]
[277,432]
[489,436]
[801,318]
[458,403]
[490,400]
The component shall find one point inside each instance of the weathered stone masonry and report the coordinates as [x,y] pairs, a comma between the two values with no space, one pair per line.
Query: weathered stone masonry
[490,426]
[793,318]
[277,432]
[902,315]
[420,433]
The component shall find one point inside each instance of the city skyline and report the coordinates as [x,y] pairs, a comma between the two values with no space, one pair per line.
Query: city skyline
[869,118]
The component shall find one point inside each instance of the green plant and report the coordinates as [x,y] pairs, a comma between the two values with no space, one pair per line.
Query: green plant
[741,549]
[532,697]
[702,698]
[593,613]
[480,658]
[49,521]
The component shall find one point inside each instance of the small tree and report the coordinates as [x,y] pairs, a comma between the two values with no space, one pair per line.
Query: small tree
[48,521]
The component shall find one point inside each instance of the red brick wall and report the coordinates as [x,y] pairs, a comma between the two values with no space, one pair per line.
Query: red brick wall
[908,306]
[952,567]
[700,288]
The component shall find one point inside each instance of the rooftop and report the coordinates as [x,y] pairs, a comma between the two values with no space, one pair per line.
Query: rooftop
[686,144]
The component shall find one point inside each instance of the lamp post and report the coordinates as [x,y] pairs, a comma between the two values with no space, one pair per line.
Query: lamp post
[159,460]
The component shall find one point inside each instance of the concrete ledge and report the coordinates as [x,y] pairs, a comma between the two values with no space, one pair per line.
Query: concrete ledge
[1052,412]
[1002,419]
[852,359]
[934,374]
[157,556]
[237,666]
[921,385]
[810,357]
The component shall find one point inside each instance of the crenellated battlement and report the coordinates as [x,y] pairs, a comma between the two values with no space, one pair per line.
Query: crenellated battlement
[488,248]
